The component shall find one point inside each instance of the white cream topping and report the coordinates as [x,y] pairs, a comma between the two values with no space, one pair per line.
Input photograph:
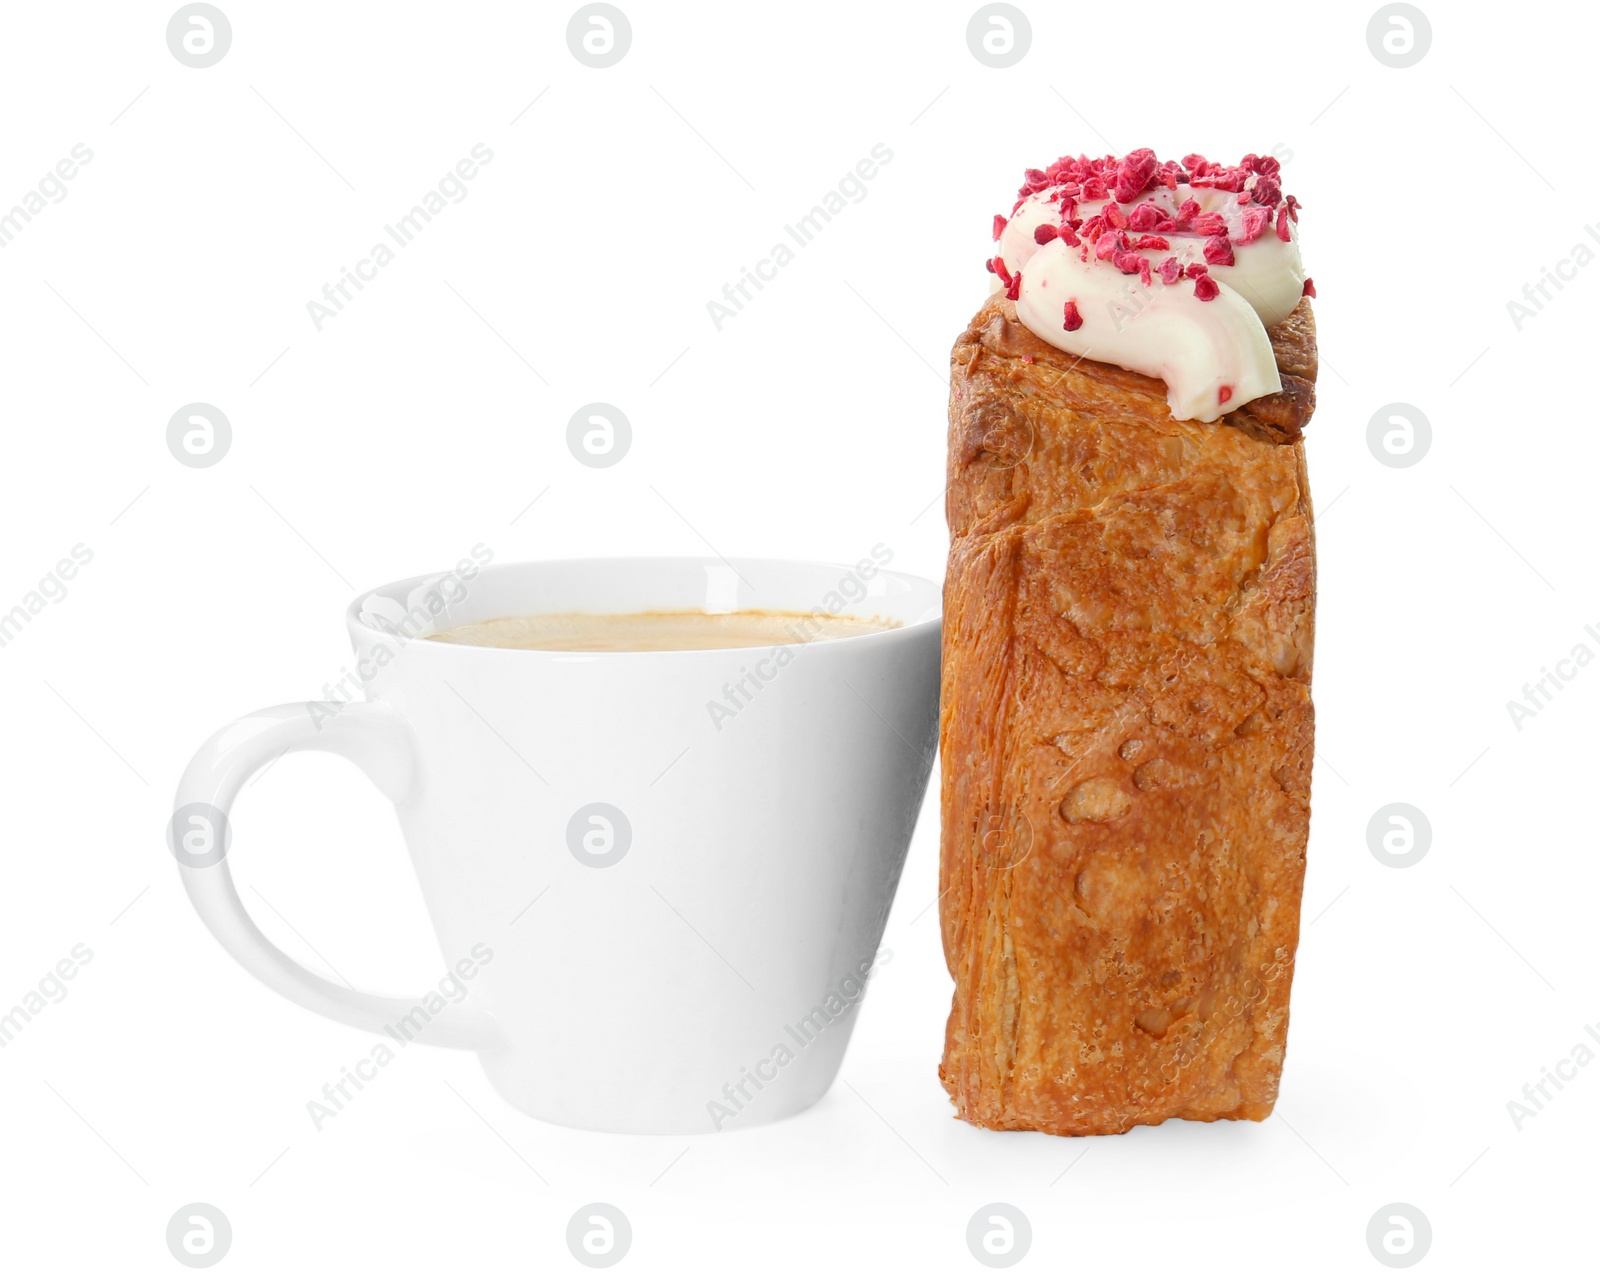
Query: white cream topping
[1213,355]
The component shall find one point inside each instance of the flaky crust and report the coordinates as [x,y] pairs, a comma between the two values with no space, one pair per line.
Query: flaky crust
[1126,737]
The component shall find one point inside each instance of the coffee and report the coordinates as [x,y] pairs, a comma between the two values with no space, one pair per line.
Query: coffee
[660,630]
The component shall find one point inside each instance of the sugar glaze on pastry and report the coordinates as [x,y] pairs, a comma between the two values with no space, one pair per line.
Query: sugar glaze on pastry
[1110,259]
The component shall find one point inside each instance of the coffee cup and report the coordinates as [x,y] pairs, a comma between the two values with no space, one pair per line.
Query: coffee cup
[658,878]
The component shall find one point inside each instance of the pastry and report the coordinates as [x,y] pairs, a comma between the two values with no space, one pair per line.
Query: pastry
[1126,723]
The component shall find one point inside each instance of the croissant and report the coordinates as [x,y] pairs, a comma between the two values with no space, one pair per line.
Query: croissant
[1126,736]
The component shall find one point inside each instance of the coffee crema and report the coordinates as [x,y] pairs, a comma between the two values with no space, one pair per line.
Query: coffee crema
[653,630]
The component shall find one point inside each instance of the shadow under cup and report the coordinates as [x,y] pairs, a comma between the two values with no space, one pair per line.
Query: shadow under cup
[668,871]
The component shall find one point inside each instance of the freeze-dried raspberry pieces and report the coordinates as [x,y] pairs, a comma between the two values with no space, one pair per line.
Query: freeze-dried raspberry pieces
[1205,287]
[1145,217]
[1267,192]
[1134,173]
[1310,289]
[1072,318]
[1141,182]
[1230,179]
[1253,224]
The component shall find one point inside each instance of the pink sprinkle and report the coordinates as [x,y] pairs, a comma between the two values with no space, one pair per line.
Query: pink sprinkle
[1028,358]
[1126,261]
[1224,394]
[1256,221]
[1042,234]
[1129,262]
[1074,319]
[1134,173]
[1219,251]
[1145,217]
[1205,287]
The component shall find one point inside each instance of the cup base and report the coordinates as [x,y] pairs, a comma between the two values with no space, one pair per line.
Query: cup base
[729,1111]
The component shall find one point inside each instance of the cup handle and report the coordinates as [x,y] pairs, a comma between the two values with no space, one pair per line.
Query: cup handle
[378,740]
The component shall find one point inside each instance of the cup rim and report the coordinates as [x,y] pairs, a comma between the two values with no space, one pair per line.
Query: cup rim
[362,628]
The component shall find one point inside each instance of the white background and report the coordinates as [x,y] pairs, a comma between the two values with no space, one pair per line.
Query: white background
[428,415]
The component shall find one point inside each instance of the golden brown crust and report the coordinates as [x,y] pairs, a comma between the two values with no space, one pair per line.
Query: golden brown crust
[1126,737]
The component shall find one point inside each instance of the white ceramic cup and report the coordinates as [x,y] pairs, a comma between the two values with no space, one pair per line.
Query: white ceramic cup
[658,879]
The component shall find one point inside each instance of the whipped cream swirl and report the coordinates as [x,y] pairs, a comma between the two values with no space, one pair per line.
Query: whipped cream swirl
[1171,270]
